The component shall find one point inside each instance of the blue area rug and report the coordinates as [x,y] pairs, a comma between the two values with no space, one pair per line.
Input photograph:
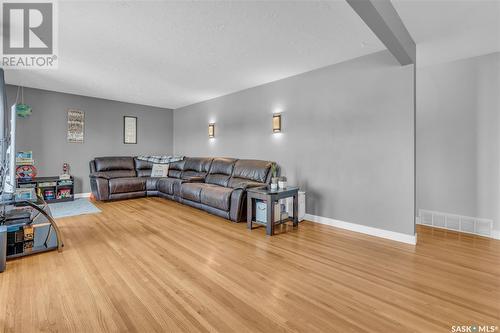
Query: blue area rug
[71,208]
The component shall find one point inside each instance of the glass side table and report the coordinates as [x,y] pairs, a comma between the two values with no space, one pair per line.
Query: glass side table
[27,228]
[270,197]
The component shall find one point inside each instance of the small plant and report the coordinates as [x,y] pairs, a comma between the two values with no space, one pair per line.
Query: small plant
[274,169]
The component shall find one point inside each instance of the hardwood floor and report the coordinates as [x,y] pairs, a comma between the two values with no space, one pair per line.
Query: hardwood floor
[152,265]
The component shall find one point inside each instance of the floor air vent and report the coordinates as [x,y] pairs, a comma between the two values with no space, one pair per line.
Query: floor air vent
[471,225]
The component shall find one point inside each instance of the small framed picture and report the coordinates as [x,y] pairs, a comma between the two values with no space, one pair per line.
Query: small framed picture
[129,130]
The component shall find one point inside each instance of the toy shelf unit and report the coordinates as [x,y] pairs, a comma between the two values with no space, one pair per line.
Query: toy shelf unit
[51,189]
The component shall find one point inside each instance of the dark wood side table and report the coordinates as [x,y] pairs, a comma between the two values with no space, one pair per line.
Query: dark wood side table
[270,197]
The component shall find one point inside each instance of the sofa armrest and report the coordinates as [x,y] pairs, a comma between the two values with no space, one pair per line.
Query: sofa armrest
[100,188]
[238,209]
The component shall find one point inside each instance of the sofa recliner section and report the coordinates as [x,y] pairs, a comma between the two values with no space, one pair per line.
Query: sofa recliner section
[216,185]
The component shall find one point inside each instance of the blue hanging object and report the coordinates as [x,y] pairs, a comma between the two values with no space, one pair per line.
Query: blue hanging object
[22,110]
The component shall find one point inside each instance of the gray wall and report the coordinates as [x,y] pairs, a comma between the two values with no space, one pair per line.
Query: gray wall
[44,132]
[347,137]
[458,140]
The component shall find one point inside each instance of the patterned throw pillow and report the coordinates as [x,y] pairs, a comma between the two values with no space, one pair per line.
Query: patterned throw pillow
[159,170]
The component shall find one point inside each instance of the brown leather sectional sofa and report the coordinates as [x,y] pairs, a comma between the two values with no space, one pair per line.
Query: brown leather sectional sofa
[216,185]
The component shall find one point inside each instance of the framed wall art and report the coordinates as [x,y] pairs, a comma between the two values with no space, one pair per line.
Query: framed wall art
[129,130]
[76,126]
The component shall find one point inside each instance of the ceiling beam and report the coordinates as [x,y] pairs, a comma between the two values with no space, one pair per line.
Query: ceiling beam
[384,21]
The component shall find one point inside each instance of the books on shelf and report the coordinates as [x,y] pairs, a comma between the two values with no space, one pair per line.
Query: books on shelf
[64,193]
[25,194]
[47,184]
[26,185]
[49,194]
[25,161]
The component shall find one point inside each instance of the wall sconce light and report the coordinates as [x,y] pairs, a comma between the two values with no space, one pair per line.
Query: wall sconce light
[276,123]
[211,130]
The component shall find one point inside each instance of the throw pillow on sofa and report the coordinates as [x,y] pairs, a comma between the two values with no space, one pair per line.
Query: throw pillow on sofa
[159,170]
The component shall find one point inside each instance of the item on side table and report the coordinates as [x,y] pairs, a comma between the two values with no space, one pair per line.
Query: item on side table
[282,182]
[274,184]
[274,179]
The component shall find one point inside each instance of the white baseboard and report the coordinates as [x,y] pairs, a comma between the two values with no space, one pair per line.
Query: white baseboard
[392,235]
[82,195]
[495,234]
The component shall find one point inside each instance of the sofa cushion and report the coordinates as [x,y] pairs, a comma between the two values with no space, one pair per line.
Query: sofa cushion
[196,167]
[255,170]
[220,171]
[166,185]
[114,163]
[129,184]
[175,169]
[216,196]
[142,165]
[192,191]
[143,168]
[152,183]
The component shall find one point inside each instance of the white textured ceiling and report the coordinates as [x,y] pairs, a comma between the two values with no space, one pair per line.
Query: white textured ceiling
[172,54]
[448,30]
